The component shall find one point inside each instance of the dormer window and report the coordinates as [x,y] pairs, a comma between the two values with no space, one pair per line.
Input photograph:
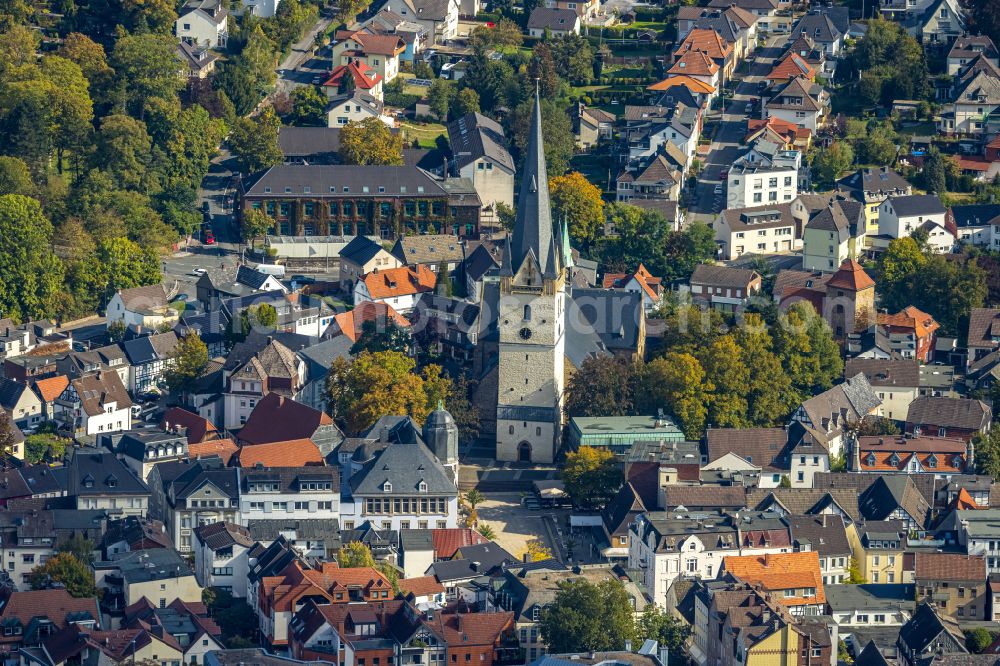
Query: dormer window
[957,462]
[387,487]
[870,459]
[893,459]
[422,486]
[932,461]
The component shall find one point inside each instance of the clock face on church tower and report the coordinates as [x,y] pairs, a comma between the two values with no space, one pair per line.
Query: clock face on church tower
[525,333]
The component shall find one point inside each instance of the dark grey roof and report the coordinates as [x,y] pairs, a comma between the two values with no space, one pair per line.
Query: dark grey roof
[924,628]
[826,534]
[307,141]
[223,535]
[819,27]
[474,136]
[251,277]
[304,529]
[975,215]
[404,465]
[553,19]
[722,276]
[533,225]
[870,596]
[204,471]
[478,560]
[135,443]
[614,315]
[416,540]
[887,493]
[917,204]
[322,354]
[254,657]
[883,180]
[323,181]
[93,472]
[885,372]
[135,566]
[10,392]
[480,262]
[360,250]
[940,411]
[290,479]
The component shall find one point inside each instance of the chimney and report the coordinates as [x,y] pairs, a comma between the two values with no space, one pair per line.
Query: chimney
[628,645]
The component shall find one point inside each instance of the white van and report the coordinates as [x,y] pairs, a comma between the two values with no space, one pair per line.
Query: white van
[277,270]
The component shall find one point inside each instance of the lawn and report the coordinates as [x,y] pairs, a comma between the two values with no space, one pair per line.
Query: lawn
[926,128]
[425,133]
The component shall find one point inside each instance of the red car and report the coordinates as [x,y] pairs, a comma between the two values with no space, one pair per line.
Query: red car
[209,237]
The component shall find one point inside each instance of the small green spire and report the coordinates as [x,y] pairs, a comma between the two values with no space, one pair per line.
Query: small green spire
[567,252]
[440,405]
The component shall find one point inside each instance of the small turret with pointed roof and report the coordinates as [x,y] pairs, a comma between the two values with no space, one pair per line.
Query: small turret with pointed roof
[533,224]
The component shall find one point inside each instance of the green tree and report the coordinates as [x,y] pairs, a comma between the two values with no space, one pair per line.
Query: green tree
[15,178]
[574,59]
[348,9]
[124,149]
[591,476]
[370,141]
[145,66]
[677,383]
[588,617]
[876,425]
[309,106]
[978,639]
[466,102]
[255,224]
[770,398]
[987,448]
[8,435]
[833,161]
[187,362]
[556,129]
[440,97]
[260,59]
[579,202]
[854,575]
[542,69]
[125,265]
[663,627]
[602,386]
[896,266]
[254,141]
[804,343]
[730,375]
[486,531]
[356,554]
[64,568]
[933,174]
[79,547]
[379,336]
[44,446]
[30,274]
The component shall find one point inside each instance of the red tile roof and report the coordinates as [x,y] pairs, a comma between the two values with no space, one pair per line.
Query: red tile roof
[51,388]
[921,323]
[467,629]
[351,323]
[851,276]
[403,281]
[365,78]
[280,419]
[708,41]
[448,540]
[694,63]
[224,448]
[389,45]
[949,566]
[421,586]
[645,279]
[790,66]
[781,571]
[964,501]
[694,85]
[292,453]
[52,604]
[198,428]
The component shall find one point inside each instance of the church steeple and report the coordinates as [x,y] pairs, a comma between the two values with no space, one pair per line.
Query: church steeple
[533,224]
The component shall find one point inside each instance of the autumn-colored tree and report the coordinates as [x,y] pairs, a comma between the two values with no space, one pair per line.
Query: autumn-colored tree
[375,385]
[187,361]
[536,551]
[730,375]
[66,569]
[677,383]
[356,554]
[578,201]
[591,476]
[370,141]
[602,386]
[770,398]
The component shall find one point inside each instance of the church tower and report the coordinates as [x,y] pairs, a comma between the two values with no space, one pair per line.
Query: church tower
[441,436]
[531,316]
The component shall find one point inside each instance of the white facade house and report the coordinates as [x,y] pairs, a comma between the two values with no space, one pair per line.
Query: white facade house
[203,23]
[757,230]
[261,8]
[480,155]
[221,557]
[438,18]
[764,176]
[977,98]
[144,307]
[899,217]
[398,287]
[282,492]
[95,404]
[354,107]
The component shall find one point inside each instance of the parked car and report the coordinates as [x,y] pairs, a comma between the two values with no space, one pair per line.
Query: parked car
[199,272]
[209,237]
[204,206]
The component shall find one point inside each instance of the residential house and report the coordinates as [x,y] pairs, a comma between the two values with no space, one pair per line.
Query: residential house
[833,235]
[358,633]
[254,369]
[449,326]
[800,101]
[141,449]
[140,307]
[479,154]
[723,287]
[930,635]
[94,404]
[188,624]
[761,229]
[221,556]
[435,251]
[917,454]
[396,287]
[554,22]
[760,456]
[203,23]
[977,224]
[955,583]
[819,26]
[378,51]
[587,9]
[735,25]
[861,607]
[977,533]
[765,10]
[132,533]
[98,480]
[893,497]
[872,187]
[641,281]
[765,175]
[967,48]
[439,19]
[899,217]
[413,34]
[912,333]
[148,358]
[941,23]
[527,591]
[353,323]
[895,380]
[29,538]
[974,108]
[189,494]
[658,179]
[291,453]
[779,132]
[827,535]
[697,65]
[713,45]
[74,645]
[828,415]
[128,577]
[880,551]
[983,336]
[794,578]
[961,418]
[361,256]
[33,615]
[195,428]
[792,65]
[365,79]
[311,493]
[592,126]
[22,404]
[352,107]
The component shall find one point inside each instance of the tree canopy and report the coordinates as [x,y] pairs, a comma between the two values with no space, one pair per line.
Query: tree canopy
[587,617]
[370,141]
